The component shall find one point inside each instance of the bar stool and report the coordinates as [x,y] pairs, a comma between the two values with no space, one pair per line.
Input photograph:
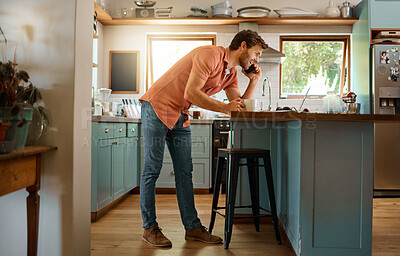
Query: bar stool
[233,157]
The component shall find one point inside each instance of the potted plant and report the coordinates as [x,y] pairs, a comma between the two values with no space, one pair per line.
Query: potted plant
[17,99]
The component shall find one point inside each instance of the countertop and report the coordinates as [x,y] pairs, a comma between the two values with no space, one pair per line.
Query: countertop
[284,116]
[118,119]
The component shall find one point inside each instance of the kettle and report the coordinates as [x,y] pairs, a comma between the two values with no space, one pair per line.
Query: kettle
[346,11]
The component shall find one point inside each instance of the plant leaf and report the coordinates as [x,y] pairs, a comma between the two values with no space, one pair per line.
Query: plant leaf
[2,33]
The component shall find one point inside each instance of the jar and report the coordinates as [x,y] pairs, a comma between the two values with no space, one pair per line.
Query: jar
[332,10]
[331,103]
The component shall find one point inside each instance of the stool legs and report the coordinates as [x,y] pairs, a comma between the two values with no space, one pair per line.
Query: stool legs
[232,173]
[217,185]
[271,193]
[252,167]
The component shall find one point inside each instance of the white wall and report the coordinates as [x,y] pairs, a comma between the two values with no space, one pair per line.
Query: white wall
[54,47]
[134,38]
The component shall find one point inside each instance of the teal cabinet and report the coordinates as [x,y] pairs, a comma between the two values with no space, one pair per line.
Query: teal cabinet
[118,166]
[384,14]
[131,168]
[323,174]
[104,173]
[114,163]
[201,157]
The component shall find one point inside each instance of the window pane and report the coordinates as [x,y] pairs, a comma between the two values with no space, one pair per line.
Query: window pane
[165,53]
[314,64]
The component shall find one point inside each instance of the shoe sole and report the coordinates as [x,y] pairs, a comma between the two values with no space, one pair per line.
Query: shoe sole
[204,241]
[157,245]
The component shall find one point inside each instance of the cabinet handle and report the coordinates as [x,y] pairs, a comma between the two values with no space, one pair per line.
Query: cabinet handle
[115,143]
[137,139]
[172,173]
[120,129]
[133,130]
[106,130]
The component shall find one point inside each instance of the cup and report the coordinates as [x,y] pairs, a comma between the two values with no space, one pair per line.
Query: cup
[196,114]
[251,104]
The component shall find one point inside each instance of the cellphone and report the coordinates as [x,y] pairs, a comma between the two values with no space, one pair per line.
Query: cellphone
[252,68]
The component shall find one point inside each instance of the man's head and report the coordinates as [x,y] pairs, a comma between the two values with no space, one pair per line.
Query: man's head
[250,44]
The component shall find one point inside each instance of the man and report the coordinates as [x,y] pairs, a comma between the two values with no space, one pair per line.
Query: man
[204,71]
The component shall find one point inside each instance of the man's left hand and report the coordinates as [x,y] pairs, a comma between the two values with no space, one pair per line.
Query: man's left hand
[255,75]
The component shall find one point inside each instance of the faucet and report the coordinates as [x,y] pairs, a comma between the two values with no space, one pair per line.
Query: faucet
[266,79]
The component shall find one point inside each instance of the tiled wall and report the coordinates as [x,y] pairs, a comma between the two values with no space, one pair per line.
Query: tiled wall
[271,71]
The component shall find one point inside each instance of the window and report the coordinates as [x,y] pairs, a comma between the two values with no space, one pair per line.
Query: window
[317,63]
[165,50]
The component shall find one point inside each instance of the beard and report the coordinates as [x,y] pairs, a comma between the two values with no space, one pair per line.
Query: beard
[244,60]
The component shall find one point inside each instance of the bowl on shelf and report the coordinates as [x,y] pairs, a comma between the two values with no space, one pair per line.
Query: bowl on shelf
[145,4]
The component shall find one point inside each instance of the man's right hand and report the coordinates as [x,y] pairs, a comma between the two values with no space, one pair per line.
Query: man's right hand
[235,105]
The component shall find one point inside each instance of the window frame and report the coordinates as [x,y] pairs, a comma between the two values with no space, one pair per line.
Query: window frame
[323,38]
[170,37]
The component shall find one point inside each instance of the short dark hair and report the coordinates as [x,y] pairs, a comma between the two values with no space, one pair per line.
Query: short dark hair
[250,37]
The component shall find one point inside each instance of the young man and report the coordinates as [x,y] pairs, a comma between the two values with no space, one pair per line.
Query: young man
[203,72]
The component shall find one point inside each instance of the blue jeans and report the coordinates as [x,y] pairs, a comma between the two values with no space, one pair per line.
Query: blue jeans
[155,135]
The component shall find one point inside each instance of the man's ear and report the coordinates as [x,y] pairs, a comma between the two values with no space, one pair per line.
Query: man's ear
[243,45]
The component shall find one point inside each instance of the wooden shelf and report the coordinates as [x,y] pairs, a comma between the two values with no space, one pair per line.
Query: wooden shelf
[105,19]
[305,21]
[101,14]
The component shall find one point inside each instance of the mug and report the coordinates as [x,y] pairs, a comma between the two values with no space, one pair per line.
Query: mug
[251,104]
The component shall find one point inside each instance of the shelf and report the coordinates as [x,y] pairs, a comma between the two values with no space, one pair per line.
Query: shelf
[101,14]
[304,21]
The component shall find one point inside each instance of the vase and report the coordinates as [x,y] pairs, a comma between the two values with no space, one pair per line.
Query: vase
[18,130]
[332,10]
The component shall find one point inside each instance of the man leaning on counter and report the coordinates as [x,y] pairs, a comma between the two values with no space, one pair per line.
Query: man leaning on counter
[204,71]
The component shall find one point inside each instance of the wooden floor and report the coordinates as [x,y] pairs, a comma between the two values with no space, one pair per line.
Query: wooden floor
[120,231]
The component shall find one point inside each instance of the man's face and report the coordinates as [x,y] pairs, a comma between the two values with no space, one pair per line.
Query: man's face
[250,56]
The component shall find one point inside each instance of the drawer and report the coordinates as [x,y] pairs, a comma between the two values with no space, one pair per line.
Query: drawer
[119,130]
[133,130]
[105,130]
[201,174]
[201,130]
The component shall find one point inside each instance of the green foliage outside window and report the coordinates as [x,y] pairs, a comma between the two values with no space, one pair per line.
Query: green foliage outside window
[309,60]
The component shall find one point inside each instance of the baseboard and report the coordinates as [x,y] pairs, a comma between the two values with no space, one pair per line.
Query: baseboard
[95,216]
[172,190]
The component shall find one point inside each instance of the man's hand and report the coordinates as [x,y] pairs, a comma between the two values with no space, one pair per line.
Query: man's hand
[256,75]
[235,105]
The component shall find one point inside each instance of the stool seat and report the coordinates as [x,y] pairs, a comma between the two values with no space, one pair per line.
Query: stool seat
[233,156]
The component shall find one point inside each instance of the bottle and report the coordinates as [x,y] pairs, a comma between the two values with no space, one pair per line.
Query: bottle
[346,11]
[331,103]
[332,10]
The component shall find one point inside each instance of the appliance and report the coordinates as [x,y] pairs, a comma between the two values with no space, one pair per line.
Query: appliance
[220,134]
[144,12]
[385,99]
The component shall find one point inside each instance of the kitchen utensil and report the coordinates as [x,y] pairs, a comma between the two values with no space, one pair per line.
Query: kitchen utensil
[133,108]
[253,12]
[104,94]
[145,4]
[346,11]
[223,9]
[295,12]
[332,10]
[353,108]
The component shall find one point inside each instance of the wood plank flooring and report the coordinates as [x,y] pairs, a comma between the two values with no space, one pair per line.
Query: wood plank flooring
[119,232]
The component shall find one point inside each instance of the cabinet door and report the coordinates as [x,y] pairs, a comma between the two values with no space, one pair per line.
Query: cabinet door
[104,167]
[131,164]
[385,14]
[201,174]
[118,153]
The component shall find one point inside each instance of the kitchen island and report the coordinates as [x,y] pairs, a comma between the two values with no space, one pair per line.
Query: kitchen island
[323,174]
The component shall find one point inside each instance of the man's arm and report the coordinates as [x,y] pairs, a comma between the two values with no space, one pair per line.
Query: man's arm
[194,95]
[233,93]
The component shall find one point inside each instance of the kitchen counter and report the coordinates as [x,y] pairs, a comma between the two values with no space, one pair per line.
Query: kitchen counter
[323,166]
[281,116]
[119,119]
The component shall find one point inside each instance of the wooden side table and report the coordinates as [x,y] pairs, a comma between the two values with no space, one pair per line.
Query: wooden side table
[21,169]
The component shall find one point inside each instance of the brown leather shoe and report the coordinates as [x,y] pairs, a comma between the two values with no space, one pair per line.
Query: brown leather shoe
[155,237]
[201,234]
